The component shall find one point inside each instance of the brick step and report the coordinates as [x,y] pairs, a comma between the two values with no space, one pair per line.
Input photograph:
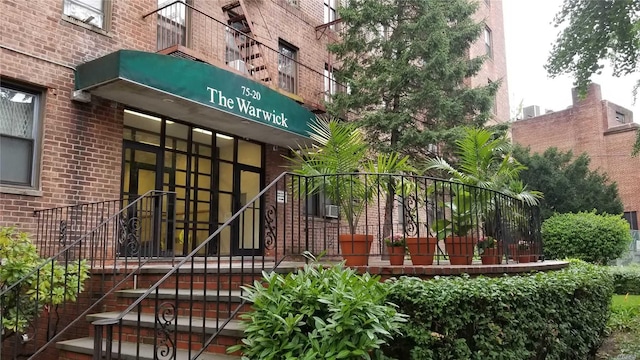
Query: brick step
[211,305]
[190,333]
[82,349]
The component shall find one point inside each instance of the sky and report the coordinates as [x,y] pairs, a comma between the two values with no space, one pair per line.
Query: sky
[529,35]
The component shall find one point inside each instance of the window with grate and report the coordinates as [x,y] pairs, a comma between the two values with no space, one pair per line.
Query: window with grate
[19,111]
[88,11]
[287,67]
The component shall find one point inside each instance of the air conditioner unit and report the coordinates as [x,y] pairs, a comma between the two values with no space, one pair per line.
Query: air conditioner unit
[531,111]
[239,65]
[331,211]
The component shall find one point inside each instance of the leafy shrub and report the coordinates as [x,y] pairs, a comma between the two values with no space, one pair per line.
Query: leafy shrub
[47,283]
[626,280]
[318,313]
[556,315]
[594,238]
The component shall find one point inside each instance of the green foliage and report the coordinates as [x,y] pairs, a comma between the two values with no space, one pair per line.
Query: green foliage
[567,183]
[625,313]
[626,279]
[40,283]
[587,236]
[556,315]
[405,63]
[596,31]
[318,313]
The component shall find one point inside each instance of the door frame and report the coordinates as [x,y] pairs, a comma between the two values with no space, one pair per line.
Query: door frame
[238,168]
[154,248]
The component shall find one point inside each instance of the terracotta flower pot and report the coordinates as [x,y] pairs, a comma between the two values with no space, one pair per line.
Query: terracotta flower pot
[355,248]
[396,255]
[491,256]
[522,255]
[422,249]
[460,249]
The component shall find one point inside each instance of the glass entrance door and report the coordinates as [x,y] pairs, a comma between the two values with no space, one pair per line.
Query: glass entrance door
[247,230]
[140,167]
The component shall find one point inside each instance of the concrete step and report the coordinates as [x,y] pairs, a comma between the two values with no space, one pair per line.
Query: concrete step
[232,329]
[185,294]
[128,350]
[197,303]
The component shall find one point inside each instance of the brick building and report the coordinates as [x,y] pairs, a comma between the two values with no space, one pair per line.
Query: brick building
[603,130]
[104,99]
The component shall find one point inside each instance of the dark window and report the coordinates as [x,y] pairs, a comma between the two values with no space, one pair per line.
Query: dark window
[19,130]
[620,117]
[632,218]
[287,67]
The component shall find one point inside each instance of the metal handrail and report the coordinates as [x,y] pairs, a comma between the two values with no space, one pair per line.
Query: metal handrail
[79,240]
[188,257]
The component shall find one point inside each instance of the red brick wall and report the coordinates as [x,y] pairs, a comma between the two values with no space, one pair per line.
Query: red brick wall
[494,69]
[589,126]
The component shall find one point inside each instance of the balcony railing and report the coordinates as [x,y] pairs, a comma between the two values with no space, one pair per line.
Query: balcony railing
[183,30]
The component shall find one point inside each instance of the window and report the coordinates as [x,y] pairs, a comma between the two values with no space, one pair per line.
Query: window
[488,42]
[330,11]
[331,86]
[632,218]
[19,128]
[620,117]
[320,205]
[293,2]
[88,11]
[287,67]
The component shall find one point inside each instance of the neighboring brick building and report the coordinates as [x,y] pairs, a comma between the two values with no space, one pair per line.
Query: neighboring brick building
[603,130]
[91,111]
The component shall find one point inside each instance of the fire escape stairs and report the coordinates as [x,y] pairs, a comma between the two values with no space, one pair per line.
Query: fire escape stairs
[249,55]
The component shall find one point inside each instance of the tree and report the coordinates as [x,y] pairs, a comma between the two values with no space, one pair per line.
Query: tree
[597,31]
[567,183]
[405,63]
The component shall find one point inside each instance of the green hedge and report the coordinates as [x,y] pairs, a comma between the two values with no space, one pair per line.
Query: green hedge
[552,315]
[587,236]
[626,280]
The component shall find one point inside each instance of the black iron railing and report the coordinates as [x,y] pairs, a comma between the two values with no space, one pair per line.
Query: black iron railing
[222,42]
[90,251]
[322,215]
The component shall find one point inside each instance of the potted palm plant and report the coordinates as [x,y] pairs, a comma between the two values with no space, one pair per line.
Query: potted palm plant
[396,248]
[456,229]
[485,164]
[336,165]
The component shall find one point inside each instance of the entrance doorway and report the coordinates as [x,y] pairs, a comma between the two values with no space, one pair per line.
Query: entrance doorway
[139,176]
[213,176]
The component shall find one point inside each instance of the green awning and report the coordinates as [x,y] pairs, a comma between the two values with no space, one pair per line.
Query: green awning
[196,92]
